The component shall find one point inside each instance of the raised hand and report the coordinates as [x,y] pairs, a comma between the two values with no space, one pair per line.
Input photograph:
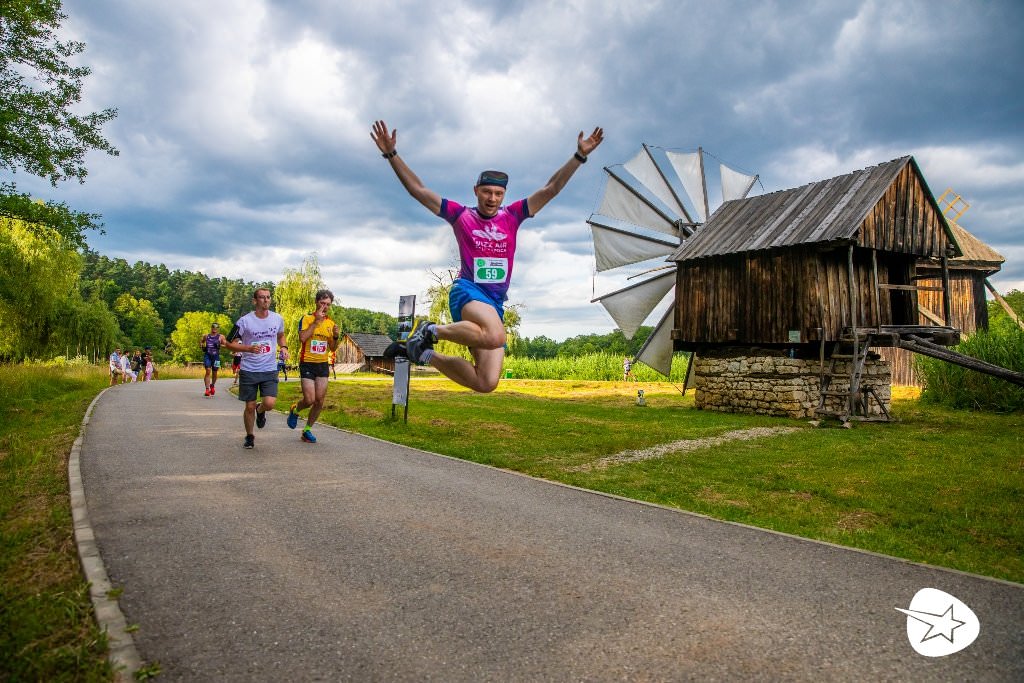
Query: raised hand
[385,141]
[588,145]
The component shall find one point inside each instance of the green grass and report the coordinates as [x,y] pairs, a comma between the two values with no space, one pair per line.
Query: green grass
[47,631]
[939,486]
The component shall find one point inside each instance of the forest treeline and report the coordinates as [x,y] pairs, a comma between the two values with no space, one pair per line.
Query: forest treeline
[58,300]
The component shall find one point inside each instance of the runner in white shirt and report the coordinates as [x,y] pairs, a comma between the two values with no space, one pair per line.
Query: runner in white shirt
[257,335]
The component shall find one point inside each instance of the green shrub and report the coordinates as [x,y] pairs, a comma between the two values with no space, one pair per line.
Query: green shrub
[591,366]
[959,387]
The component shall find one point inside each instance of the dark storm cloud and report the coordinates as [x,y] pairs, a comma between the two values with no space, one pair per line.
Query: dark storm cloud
[245,124]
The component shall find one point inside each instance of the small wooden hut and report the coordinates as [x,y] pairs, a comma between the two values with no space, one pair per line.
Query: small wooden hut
[818,273]
[808,266]
[367,350]
[968,304]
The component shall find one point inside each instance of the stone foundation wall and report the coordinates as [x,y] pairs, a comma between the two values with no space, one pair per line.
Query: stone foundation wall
[772,383]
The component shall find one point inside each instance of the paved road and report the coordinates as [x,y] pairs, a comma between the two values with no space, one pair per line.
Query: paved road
[360,560]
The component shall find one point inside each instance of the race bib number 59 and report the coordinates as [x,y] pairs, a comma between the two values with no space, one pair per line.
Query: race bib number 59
[486,269]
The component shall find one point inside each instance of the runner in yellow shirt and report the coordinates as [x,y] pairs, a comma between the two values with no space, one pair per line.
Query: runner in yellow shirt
[318,338]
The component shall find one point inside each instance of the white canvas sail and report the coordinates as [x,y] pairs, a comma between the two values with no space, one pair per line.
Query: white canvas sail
[614,248]
[643,168]
[629,307]
[656,353]
[735,185]
[687,166]
[622,203]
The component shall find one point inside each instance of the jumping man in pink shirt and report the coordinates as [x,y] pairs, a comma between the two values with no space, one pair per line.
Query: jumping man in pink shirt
[486,236]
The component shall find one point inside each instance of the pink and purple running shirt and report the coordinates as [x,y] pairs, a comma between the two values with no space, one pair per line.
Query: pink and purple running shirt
[487,246]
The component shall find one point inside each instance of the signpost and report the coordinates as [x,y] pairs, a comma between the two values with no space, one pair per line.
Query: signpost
[400,390]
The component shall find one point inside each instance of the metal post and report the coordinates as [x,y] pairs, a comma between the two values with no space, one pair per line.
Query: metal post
[400,388]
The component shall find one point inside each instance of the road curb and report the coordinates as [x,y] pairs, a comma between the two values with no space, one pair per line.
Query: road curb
[123,656]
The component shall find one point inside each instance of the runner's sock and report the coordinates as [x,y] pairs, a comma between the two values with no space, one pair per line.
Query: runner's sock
[426,356]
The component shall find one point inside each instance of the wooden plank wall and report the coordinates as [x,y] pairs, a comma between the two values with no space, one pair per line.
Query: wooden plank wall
[758,297]
[904,221]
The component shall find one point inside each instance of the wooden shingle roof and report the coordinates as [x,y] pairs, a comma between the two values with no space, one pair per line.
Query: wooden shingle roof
[822,212]
[372,345]
[975,252]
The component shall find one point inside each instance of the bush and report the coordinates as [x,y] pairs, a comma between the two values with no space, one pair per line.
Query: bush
[591,366]
[958,387]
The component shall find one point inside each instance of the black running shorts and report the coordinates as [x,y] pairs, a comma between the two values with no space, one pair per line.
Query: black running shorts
[314,370]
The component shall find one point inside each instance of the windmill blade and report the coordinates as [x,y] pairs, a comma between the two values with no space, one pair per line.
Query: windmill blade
[689,167]
[630,306]
[735,185]
[645,169]
[625,201]
[656,353]
[614,247]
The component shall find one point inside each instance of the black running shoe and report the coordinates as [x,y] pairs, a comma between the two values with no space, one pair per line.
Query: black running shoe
[250,441]
[261,418]
[419,340]
[394,349]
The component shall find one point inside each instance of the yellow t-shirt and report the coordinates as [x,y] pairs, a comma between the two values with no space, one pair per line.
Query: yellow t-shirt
[317,347]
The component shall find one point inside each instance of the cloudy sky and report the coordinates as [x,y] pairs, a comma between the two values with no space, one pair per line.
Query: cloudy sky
[244,125]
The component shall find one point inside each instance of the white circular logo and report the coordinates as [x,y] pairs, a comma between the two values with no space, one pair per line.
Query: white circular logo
[939,624]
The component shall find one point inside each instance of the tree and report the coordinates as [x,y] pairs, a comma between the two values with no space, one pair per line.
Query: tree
[294,297]
[188,331]
[82,327]
[140,322]
[39,131]
[40,269]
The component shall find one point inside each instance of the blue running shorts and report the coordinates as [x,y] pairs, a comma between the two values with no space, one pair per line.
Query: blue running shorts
[463,291]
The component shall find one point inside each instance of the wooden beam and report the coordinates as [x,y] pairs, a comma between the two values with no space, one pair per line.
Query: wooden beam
[931,316]
[947,303]
[914,288]
[1006,306]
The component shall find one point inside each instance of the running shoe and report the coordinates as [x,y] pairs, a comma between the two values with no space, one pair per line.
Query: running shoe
[250,441]
[207,392]
[394,349]
[307,436]
[419,340]
[293,417]
[261,418]
[213,390]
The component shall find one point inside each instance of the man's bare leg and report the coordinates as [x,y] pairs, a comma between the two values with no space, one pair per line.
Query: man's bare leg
[483,332]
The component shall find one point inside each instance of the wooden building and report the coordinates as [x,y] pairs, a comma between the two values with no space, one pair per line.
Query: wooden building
[367,350]
[800,267]
[968,303]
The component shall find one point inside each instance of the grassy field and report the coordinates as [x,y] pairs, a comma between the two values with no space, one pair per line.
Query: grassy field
[939,486]
[47,631]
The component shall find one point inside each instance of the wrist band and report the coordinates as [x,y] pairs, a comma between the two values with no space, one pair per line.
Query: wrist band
[389,155]
[580,158]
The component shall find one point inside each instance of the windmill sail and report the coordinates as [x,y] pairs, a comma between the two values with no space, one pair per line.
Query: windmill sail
[629,307]
[647,193]
[644,168]
[688,166]
[624,201]
[735,185]
[656,353]
[614,247]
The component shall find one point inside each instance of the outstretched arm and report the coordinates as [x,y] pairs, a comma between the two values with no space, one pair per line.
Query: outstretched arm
[584,146]
[410,181]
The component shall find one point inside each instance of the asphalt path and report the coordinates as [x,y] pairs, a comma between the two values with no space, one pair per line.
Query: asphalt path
[356,559]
